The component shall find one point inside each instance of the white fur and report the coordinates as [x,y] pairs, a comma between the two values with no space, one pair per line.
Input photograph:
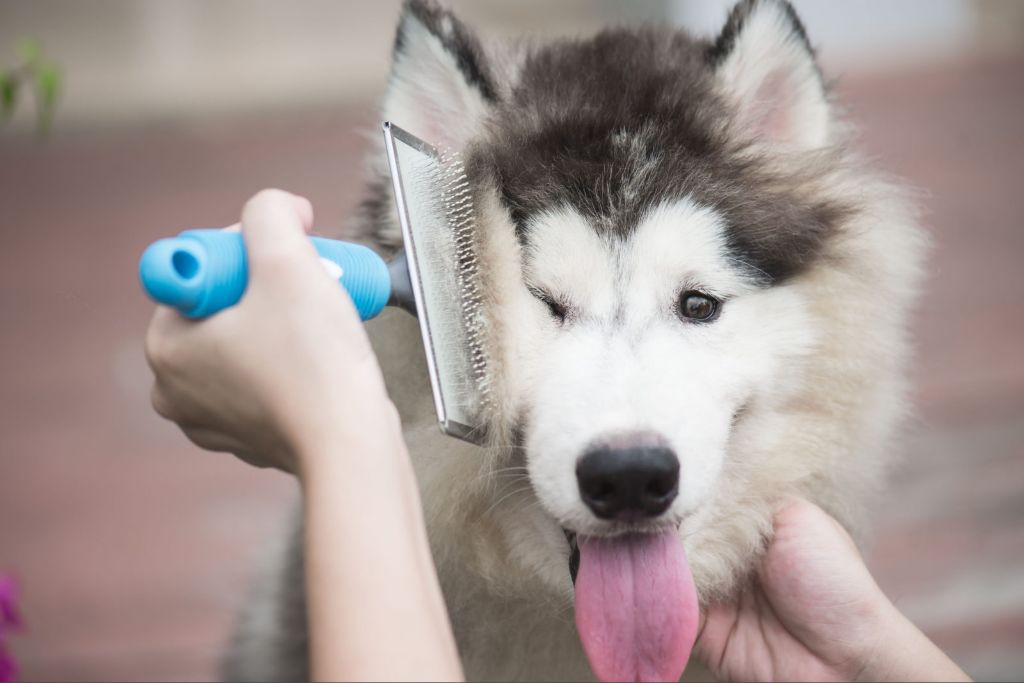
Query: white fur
[818,361]
[816,364]
[774,83]
[625,361]
[427,93]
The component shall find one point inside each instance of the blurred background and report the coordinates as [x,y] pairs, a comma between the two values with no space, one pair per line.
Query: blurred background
[133,548]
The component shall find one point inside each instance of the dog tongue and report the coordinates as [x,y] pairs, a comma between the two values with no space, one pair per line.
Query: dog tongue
[636,607]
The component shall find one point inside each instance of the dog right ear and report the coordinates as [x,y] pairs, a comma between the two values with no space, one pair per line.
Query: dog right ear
[767,68]
[441,87]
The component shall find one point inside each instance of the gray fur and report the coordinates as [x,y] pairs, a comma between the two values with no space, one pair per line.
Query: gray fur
[621,122]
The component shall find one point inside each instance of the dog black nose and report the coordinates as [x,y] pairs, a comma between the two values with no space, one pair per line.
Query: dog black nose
[628,483]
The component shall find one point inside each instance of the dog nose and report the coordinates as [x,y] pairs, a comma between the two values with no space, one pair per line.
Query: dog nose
[628,483]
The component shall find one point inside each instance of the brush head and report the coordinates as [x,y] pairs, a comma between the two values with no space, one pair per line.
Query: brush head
[435,209]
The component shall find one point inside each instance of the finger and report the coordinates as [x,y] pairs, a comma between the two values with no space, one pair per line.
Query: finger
[164,327]
[274,229]
[218,442]
[718,622]
[177,407]
[161,405]
[167,321]
[702,620]
[211,440]
[304,208]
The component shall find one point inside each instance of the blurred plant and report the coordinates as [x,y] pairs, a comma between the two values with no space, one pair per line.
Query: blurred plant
[37,72]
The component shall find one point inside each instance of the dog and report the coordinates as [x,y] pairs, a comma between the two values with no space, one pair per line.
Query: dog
[695,297]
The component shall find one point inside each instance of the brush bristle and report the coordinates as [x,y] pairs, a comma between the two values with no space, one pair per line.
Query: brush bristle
[435,208]
[457,199]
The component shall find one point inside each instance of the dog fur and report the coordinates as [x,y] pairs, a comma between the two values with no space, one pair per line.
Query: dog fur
[612,175]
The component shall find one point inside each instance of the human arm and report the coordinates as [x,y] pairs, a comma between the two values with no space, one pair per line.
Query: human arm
[390,612]
[287,379]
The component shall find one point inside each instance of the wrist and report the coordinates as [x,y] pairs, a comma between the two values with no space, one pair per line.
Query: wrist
[901,652]
[875,662]
[326,405]
[350,430]
[369,448]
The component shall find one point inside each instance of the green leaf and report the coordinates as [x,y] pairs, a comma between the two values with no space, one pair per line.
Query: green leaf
[8,94]
[30,50]
[48,84]
[48,81]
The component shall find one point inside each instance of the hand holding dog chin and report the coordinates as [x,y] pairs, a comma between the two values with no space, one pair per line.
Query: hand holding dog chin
[285,375]
[815,613]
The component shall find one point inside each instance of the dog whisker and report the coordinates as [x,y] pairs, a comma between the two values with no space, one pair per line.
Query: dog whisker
[501,473]
[502,499]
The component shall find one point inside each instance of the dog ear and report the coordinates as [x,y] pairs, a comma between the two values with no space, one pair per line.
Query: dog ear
[766,67]
[440,87]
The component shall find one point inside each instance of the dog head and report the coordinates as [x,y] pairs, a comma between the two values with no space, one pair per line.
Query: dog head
[660,220]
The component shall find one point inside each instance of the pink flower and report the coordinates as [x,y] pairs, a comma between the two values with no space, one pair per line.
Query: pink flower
[10,620]
[8,670]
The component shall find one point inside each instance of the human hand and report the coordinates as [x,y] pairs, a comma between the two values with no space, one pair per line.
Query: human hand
[284,371]
[814,613]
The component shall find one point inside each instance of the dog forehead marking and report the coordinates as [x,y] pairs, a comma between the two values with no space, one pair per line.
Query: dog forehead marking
[650,123]
[683,244]
[567,258]
[676,245]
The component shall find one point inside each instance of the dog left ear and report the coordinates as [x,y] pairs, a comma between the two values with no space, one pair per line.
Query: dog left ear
[441,86]
[766,67]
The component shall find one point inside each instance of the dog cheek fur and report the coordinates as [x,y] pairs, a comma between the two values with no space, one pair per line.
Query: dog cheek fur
[511,314]
[838,392]
[831,438]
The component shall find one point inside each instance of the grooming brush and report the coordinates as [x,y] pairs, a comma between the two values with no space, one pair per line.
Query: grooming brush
[434,276]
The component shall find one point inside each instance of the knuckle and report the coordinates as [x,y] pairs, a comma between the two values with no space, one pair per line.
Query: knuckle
[265,197]
[158,342]
[161,405]
[283,259]
[155,350]
[203,439]
[275,255]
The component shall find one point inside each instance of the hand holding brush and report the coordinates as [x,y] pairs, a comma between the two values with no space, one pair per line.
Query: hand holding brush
[286,378]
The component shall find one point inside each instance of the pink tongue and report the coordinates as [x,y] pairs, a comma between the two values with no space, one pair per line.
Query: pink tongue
[636,607]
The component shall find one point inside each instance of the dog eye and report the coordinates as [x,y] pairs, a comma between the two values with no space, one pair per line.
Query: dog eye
[558,310]
[698,307]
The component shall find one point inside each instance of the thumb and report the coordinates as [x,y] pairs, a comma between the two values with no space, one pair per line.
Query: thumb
[274,226]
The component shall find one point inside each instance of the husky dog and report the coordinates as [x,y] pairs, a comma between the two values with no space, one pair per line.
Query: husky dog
[695,297]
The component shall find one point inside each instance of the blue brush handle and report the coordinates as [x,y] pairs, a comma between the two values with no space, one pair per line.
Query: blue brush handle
[200,272]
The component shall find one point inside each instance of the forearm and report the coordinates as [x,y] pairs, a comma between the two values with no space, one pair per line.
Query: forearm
[375,606]
[304,394]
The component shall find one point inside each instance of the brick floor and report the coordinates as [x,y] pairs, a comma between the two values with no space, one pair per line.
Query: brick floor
[133,546]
